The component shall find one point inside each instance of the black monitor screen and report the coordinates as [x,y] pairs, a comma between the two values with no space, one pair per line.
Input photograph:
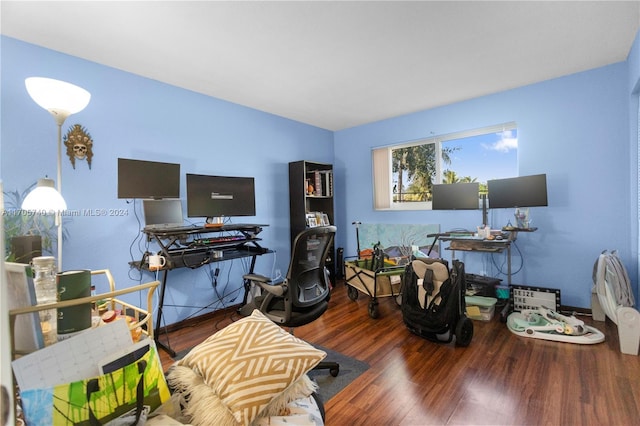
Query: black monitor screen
[523,191]
[148,179]
[456,196]
[214,196]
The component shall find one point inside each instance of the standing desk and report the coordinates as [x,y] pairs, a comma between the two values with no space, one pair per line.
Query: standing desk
[464,243]
[193,247]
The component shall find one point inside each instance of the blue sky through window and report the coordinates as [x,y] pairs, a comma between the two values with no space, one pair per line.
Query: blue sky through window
[484,157]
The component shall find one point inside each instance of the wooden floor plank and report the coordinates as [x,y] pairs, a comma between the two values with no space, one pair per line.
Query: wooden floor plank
[500,378]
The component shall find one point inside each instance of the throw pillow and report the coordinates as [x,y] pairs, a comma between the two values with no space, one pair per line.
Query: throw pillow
[250,368]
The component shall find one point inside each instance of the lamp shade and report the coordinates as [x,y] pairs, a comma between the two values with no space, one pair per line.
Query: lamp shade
[60,98]
[44,198]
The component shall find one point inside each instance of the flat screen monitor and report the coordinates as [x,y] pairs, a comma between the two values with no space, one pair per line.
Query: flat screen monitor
[522,191]
[162,213]
[456,196]
[148,179]
[218,196]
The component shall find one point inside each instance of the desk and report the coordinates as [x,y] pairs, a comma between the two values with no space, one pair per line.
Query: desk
[195,247]
[484,245]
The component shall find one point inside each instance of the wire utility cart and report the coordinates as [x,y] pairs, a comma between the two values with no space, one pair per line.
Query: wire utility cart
[372,277]
[142,317]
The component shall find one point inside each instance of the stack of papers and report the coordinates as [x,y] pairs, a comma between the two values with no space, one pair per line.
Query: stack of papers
[77,358]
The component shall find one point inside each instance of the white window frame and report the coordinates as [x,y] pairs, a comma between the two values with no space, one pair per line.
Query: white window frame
[382,167]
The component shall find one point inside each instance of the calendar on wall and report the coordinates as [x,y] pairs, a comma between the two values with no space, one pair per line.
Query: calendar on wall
[527,297]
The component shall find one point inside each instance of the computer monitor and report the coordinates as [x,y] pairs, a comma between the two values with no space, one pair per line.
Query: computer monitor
[522,191]
[219,196]
[148,179]
[162,213]
[456,196]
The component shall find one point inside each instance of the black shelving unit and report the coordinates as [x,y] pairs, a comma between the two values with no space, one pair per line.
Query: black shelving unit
[311,196]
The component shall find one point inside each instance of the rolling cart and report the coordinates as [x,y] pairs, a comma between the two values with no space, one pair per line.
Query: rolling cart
[372,277]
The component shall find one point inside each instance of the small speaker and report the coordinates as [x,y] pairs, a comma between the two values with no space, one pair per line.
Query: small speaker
[26,247]
[340,265]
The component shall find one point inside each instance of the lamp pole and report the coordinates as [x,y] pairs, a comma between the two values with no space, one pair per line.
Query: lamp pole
[61,99]
[59,116]
[58,217]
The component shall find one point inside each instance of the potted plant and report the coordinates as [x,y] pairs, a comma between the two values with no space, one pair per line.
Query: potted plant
[27,234]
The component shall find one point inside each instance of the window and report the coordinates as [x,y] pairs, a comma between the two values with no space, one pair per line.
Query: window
[404,174]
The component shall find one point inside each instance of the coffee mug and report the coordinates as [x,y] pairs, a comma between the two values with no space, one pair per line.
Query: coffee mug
[156,262]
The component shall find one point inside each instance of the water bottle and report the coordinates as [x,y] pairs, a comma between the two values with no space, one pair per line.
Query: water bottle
[44,280]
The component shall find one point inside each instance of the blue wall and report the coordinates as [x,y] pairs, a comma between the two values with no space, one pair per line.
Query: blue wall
[134,117]
[578,129]
[575,129]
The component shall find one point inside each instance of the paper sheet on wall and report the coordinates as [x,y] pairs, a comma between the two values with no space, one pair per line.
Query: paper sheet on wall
[76,358]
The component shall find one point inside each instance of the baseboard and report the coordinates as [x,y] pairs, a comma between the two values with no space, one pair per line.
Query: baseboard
[207,317]
[230,309]
[572,309]
[198,319]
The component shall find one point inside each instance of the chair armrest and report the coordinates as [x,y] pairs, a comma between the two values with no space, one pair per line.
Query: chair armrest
[277,290]
[257,278]
[265,283]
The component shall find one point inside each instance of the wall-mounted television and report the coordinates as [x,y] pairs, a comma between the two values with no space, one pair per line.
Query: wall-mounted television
[455,196]
[218,196]
[522,191]
[148,179]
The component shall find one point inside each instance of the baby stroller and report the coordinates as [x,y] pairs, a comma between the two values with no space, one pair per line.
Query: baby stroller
[433,304]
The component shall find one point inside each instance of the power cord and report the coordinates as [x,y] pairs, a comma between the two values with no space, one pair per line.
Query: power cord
[276,274]
[138,240]
[214,278]
[499,268]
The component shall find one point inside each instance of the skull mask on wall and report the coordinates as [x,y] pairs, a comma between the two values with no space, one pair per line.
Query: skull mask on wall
[79,145]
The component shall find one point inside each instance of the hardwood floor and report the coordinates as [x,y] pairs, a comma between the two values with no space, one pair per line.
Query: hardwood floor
[500,379]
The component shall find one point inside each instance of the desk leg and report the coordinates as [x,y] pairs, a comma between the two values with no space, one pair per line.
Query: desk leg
[156,333]
[509,264]
[247,283]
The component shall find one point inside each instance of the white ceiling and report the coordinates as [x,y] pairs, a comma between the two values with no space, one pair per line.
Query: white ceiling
[334,64]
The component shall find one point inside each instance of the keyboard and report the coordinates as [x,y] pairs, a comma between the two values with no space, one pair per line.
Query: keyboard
[218,240]
[187,250]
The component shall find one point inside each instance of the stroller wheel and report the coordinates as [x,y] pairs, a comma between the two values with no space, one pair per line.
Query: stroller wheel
[352,293]
[464,331]
[373,309]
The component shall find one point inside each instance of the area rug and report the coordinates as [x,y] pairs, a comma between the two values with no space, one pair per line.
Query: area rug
[350,369]
[329,386]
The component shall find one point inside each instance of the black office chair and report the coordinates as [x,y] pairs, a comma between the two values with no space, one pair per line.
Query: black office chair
[304,293]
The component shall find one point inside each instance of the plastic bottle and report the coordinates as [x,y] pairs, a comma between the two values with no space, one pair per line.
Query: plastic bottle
[44,280]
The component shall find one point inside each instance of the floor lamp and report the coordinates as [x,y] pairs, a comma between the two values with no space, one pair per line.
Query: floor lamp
[61,99]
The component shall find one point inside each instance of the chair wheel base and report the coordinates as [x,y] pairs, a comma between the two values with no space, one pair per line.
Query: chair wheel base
[333,367]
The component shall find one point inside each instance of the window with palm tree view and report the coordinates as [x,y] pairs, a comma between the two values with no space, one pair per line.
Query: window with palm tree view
[405,174]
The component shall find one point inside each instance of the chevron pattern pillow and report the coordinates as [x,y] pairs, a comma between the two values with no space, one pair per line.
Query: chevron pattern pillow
[251,368]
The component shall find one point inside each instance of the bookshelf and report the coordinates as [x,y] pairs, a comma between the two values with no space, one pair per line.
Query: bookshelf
[311,200]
